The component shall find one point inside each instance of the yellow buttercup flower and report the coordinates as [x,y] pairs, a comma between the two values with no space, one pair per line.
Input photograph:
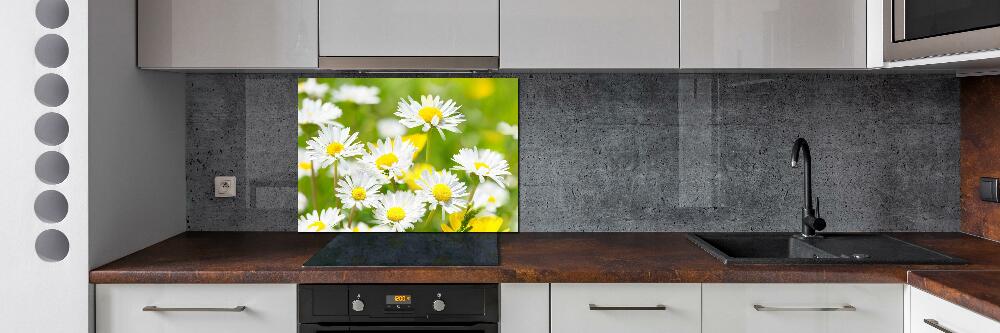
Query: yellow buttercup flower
[414,174]
[487,223]
[418,140]
[481,88]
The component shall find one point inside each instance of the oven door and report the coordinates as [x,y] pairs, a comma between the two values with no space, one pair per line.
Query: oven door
[926,28]
[474,328]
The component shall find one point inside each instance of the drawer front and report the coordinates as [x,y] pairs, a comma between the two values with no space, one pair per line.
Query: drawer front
[571,310]
[730,308]
[946,315]
[269,308]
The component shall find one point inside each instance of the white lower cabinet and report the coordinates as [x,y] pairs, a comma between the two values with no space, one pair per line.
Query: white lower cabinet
[196,308]
[626,307]
[930,314]
[816,308]
[524,307]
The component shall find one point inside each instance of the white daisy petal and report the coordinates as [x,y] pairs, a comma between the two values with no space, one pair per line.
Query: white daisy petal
[431,111]
[317,112]
[333,144]
[490,196]
[356,94]
[442,188]
[399,210]
[390,157]
[483,163]
[320,221]
[359,190]
[313,89]
[389,127]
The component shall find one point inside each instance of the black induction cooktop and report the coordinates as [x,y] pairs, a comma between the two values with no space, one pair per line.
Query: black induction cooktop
[408,249]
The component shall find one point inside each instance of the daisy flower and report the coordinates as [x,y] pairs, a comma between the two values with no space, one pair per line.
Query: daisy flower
[430,112]
[359,190]
[303,202]
[317,112]
[389,127]
[442,188]
[490,196]
[313,89]
[507,129]
[320,221]
[333,144]
[484,163]
[390,156]
[305,164]
[399,210]
[356,94]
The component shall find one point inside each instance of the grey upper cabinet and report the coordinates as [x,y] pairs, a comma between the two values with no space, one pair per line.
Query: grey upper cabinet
[409,28]
[589,34]
[196,34]
[774,34]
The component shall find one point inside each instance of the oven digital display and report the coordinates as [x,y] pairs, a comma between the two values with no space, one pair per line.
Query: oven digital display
[398,299]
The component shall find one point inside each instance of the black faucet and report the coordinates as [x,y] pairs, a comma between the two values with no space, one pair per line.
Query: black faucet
[810,221]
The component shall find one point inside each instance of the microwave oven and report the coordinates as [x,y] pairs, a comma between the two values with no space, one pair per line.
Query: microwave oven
[915,29]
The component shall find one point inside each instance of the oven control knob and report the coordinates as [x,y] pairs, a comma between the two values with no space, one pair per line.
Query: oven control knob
[358,305]
[438,305]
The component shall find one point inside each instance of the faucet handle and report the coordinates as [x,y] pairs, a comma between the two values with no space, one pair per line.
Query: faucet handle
[817,206]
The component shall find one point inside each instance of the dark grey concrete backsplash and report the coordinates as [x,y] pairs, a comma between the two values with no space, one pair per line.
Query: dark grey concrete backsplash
[640,152]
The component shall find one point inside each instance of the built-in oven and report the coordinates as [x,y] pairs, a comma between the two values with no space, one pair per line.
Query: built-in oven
[385,308]
[916,29]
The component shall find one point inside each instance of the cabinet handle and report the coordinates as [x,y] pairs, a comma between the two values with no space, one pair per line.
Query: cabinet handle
[848,307]
[594,307]
[935,324]
[159,309]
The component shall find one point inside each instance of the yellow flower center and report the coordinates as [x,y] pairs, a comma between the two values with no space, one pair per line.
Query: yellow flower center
[306,165]
[395,214]
[316,226]
[429,112]
[386,160]
[478,165]
[334,148]
[358,193]
[491,199]
[441,192]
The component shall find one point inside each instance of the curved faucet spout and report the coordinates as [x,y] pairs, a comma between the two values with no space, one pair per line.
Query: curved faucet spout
[810,222]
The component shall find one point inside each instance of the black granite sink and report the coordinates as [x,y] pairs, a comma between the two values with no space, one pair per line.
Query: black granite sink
[836,248]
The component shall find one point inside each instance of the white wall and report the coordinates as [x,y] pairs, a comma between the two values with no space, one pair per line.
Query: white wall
[38,295]
[137,188]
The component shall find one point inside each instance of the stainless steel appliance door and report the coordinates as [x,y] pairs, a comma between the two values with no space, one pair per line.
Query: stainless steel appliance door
[926,28]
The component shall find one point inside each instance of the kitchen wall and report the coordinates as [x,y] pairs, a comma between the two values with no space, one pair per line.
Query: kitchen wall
[640,152]
[980,148]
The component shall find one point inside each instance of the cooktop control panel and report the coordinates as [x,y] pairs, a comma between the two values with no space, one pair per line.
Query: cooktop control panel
[417,302]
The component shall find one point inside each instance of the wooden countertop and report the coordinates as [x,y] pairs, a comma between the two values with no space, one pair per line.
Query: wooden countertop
[277,257]
[978,291]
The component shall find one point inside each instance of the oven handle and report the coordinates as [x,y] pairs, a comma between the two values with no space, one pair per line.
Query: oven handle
[481,327]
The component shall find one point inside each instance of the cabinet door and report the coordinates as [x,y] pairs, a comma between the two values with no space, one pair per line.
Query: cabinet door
[269,308]
[817,308]
[407,28]
[626,307]
[524,308]
[773,34]
[929,314]
[227,33]
[586,34]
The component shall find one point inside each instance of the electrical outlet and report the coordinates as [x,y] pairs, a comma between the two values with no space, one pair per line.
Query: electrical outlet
[225,187]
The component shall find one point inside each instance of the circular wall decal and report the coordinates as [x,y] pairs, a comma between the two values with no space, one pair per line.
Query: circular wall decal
[51,51]
[52,13]
[51,206]
[52,167]
[51,129]
[52,245]
[51,90]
